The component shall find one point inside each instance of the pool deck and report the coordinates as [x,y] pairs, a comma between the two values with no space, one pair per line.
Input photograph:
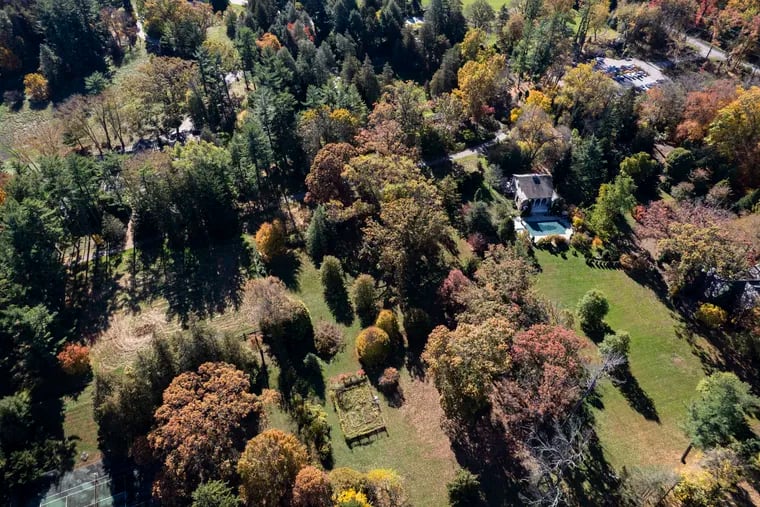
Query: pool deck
[520,226]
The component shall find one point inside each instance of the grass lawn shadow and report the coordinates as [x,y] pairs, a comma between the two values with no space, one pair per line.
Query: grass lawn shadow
[287,267]
[637,398]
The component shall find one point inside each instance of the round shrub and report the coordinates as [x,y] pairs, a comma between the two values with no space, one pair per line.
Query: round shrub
[581,242]
[592,308]
[618,344]
[290,324]
[328,339]
[365,299]
[373,345]
[388,381]
[351,498]
[343,479]
[385,488]
[312,488]
[710,315]
[387,321]
[331,274]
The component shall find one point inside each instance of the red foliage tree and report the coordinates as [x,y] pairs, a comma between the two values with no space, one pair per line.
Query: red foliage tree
[451,293]
[324,180]
[546,375]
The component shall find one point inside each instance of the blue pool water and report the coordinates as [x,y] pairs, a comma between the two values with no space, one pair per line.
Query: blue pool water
[545,227]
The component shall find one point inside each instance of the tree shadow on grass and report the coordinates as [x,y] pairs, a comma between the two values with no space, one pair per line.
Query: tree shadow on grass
[597,333]
[482,448]
[637,398]
[203,282]
[286,267]
[340,305]
[595,470]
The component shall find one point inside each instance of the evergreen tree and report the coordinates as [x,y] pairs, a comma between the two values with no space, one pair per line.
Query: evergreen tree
[318,236]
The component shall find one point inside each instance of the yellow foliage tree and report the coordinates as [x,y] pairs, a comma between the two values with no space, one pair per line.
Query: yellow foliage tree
[269,466]
[269,40]
[36,87]
[270,240]
[470,46]
[478,84]
[585,92]
[735,135]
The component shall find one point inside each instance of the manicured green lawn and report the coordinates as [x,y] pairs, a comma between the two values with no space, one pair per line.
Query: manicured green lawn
[79,423]
[662,362]
[415,445]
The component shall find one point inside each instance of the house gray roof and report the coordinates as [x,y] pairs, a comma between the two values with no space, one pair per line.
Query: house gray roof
[534,186]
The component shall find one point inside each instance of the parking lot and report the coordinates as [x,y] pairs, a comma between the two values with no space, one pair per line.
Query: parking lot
[631,72]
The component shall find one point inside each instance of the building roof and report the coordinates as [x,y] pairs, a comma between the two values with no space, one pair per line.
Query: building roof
[534,186]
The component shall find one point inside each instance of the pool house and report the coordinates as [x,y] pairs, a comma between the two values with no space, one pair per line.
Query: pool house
[534,195]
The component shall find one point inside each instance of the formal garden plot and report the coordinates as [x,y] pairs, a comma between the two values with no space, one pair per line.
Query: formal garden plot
[358,409]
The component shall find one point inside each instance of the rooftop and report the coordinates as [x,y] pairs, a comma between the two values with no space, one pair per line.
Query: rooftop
[534,186]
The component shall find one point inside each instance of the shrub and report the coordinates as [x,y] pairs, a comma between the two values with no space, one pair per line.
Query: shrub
[592,308]
[351,498]
[385,488]
[365,299]
[313,426]
[616,344]
[270,240]
[373,345]
[581,242]
[386,320]
[679,164]
[710,315]
[312,488]
[478,219]
[388,381]
[36,87]
[464,490]
[328,339]
[214,494]
[74,359]
[289,325]
[698,489]
[553,242]
[331,274]
[347,478]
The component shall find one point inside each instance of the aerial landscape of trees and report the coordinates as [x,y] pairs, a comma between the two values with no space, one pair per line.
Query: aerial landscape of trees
[272,253]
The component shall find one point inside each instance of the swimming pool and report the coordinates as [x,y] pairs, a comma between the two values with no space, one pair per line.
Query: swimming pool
[546,227]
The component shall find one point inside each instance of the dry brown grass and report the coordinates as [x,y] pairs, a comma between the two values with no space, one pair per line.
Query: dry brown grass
[126,335]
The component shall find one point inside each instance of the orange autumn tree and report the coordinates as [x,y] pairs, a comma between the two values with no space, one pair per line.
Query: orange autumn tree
[74,358]
[270,240]
[269,466]
[200,427]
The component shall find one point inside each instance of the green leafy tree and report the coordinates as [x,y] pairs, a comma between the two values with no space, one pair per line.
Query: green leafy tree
[464,489]
[640,166]
[592,308]
[334,288]
[214,494]
[616,345]
[718,414]
[614,200]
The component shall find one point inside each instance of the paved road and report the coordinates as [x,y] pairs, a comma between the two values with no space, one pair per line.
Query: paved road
[707,50]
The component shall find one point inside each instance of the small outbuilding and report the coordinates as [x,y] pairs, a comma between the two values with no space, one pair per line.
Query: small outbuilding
[534,193]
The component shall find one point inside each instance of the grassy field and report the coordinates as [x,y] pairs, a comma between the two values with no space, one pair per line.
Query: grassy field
[661,362]
[79,424]
[415,445]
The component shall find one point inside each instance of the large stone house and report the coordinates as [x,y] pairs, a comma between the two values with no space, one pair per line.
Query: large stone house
[534,193]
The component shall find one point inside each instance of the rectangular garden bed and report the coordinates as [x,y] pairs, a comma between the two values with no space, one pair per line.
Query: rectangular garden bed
[358,410]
